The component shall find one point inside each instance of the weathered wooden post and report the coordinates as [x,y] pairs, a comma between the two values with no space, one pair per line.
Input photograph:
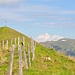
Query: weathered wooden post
[20,57]
[33,48]
[11,59]
[29,62]
[23,40]
[25,58]
[6,44]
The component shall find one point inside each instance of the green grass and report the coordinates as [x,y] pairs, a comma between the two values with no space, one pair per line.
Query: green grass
[59,64]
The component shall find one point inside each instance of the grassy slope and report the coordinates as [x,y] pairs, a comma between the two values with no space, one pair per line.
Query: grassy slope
[59,64]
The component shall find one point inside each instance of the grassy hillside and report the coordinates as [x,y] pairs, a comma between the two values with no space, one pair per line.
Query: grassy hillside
[58,65]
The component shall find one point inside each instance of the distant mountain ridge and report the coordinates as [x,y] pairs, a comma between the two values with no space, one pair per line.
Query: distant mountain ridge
[65,45]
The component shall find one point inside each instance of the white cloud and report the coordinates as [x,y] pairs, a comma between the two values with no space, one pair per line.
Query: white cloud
[47,37]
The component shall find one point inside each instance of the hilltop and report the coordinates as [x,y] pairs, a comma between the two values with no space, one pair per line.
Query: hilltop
[8,33]
[65,45]
[58,65]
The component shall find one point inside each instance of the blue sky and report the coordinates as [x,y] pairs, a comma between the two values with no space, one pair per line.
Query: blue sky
[41,19]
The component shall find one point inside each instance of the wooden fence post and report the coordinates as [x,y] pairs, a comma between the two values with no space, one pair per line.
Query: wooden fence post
[29,62]
[20,57]
[11,59]
[6,44]
[33,48]
[23,40]
[20,60]
[25,59]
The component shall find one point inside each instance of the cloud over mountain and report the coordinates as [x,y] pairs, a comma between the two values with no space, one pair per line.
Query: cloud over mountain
[47,37]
